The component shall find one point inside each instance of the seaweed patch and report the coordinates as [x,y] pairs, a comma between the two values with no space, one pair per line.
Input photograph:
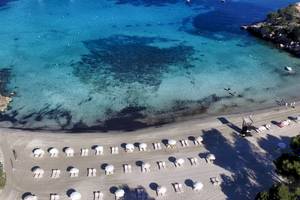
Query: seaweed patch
[4,3]
[119,61]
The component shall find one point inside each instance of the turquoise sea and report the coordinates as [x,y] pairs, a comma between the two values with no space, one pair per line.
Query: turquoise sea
[127,64]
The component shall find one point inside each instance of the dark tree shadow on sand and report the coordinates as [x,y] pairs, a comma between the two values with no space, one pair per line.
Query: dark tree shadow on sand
[252,170]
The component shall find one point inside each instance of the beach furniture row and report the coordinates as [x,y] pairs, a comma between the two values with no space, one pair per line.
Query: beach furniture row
[281,124]
[120,193]
[109,169]
[129,148]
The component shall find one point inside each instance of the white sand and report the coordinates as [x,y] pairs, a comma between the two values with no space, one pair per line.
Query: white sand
[243,165]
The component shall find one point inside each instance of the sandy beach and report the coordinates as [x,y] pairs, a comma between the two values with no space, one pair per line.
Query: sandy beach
[243,165]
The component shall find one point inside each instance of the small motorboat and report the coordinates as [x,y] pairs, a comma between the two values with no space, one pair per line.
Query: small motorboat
[288,69]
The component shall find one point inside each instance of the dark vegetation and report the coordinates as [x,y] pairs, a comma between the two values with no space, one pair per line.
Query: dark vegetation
[282,28]
[288,166]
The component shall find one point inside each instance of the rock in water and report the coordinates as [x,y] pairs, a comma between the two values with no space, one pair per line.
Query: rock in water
[281,28]
[4,101]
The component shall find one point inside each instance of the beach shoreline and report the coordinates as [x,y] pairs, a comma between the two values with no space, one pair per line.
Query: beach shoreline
[160,121]
[211,129]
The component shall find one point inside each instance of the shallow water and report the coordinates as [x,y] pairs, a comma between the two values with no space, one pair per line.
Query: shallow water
[125,64]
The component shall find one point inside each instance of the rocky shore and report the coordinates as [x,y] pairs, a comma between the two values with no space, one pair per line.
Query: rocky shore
[281,28]
[4,102]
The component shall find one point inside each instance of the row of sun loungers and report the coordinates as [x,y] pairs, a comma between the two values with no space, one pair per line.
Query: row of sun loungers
[73,196]
[129,148]
[140,192]
[281,124]
[263,128]
[127,168]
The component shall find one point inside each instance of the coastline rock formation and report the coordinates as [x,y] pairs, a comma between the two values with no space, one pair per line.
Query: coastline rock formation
[5,95]
[281,28]
[4,102]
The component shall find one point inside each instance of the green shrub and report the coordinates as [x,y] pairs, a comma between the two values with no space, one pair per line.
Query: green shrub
[295,142]
[288,165]
[279,192]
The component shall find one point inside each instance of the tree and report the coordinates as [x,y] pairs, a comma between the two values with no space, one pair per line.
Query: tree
[288,165]
[279,192]
[295,142]
[262,196]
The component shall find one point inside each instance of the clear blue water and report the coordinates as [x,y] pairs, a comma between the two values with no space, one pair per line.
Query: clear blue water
[124,64]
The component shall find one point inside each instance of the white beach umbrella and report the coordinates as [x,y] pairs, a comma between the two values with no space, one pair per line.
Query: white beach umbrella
[211,157]
[281,145]
[75,196]
[38,170]
[74,170]
[197,186]
[161,190]
[199,139]
[172,142]
[120,193]
[146,165]
[53,151]
[99,148]
[109,168]
[30,197]
[180,161]
[129,147]
[69,150]
[143,146]
[38,152]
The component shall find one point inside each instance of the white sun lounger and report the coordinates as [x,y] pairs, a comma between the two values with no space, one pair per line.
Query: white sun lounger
[98,195]
[84,152]
[215,181]
[157,146]
[184,143]
[127,168]
[91,172]
[55,173]
[261,129]
[161,164]
[54,196]
[114,150]
[178,187]
[194,161]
